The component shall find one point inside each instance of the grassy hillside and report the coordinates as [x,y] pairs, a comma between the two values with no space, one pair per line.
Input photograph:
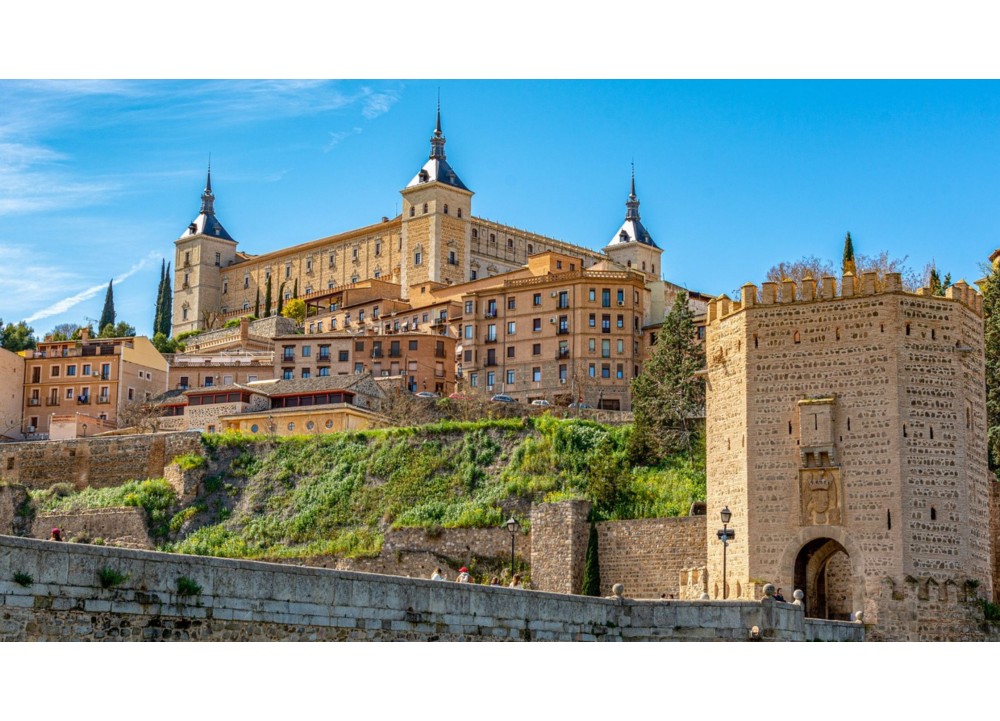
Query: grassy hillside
[338,493]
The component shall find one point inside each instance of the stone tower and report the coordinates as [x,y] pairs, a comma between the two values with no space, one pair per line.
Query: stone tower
[847,435]
[632,246]
[199,255]
[436,235]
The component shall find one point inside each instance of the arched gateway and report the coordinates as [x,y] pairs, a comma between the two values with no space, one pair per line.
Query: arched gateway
[823,572]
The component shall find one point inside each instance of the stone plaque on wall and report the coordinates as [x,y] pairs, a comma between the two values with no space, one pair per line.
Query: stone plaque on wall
[821,496]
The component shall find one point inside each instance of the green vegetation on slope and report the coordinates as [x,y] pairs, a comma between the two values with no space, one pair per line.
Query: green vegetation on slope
[156,496]
[336,494]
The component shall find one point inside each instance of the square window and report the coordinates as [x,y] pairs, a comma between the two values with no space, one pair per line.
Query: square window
[536,349]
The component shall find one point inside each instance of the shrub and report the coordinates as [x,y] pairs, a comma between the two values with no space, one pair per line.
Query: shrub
[190,461]
[23,579]
[109,577]
[188,587]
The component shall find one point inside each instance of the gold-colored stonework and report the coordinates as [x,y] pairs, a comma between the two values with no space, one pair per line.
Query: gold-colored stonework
[821,496]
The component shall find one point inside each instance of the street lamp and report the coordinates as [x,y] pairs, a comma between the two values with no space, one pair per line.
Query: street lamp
[84,430]
[725,535]
[512,526]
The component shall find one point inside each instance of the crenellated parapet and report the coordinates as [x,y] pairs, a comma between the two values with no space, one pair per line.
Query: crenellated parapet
[811,290]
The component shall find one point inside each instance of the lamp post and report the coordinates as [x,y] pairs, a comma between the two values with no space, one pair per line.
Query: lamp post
[84,430]
[725,535]
[512,526]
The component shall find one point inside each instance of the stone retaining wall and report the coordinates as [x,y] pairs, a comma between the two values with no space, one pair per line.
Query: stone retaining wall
[460,544]
[241,600]
[93,462]
[649,555]
[115,526]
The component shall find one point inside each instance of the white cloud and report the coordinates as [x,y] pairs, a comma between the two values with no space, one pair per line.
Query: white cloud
[336,137]
[378,103]
[61,306]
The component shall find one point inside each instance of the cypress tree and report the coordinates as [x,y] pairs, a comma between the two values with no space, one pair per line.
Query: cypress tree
[167,314]
[991,315]
[108,314]
[281,297]
[256,305]
[267,298]
[849,256]
[591,585]
[158,314]
[295,290]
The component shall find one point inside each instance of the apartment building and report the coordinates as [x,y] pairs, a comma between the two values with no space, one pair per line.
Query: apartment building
[90,376]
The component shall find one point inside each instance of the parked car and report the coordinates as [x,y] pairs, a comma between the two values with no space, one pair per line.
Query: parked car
[427,394]
[459,397]
[540,402]
[580,405]
[501,398]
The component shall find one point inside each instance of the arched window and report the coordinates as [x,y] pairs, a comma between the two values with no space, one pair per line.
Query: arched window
[459,212]
[412,211]
[246,305]
[493,238]
[446,209]
[425,208]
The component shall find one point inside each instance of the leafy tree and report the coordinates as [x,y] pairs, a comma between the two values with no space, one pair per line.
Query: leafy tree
[991,313]
[267,299]
[167,345]
[668,399]
[108,314]
[849,265]
[295,309]
[119,330]
[63,331]
[17,337]
[78,333]
[591,585]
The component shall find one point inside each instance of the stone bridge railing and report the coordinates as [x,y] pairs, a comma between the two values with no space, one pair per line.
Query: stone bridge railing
[63,591]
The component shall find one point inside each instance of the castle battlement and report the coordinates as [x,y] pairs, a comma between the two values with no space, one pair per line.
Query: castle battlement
[789,292]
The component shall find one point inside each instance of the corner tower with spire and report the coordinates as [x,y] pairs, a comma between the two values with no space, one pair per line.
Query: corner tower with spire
[632,246]
[436,233]
[204,248]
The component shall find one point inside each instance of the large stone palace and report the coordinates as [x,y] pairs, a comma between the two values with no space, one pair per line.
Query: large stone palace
[534,317]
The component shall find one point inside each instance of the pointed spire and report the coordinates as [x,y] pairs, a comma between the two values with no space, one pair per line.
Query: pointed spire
[632,204]
[437,141]
[207,199]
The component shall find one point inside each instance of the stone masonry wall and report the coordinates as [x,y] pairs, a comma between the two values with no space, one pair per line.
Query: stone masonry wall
[241,600]
[460,544]
[924,610]
[93,462]
[648,555]
[116,526]
[12,497]
[995,535]
[559,534]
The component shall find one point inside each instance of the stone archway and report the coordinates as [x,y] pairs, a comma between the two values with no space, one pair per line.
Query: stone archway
[823,572]
[825,561]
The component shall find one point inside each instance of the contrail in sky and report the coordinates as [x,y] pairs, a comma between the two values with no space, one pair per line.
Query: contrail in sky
[66,303]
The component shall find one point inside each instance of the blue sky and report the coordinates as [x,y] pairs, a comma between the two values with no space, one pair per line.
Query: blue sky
[97,179]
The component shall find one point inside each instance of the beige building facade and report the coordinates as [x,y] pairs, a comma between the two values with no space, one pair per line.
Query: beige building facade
[847,434]
[93,376]
[11,395]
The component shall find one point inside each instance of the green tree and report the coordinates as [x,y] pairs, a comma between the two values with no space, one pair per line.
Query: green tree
[295,289]
[991,313]
[167,345]
[108,314]
[119,330]
[256,304]
[166,307]
[267,298]
[936,284]
[281,297]
[158,313]
[295,309]
[63,331]
[668,399]
[591,585]
[17,337]
[849,265]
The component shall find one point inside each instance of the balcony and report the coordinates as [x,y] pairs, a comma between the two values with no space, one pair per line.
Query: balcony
[395,354]
[490,364]
[83,401]
[105,376]
[376,354]
[490,339]
[562,330]
[34,401]
[490,314]
[288,357]
[439,353]
[51,401]
[324,357]
[103,400]
[443,321]
[562,353]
